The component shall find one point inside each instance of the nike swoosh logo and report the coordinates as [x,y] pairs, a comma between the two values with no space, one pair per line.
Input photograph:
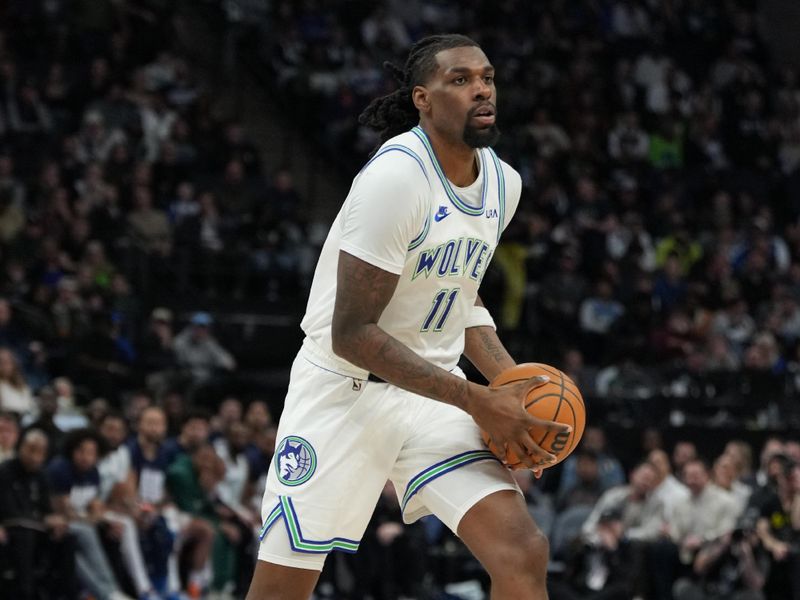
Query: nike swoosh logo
[439,216]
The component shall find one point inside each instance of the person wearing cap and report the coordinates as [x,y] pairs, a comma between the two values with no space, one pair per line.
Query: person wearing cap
[157,356]
[199,352]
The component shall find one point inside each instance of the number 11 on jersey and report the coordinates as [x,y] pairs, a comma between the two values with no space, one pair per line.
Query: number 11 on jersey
[435,311]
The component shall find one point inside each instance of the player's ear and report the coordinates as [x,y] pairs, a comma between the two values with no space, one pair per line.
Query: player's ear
[421,98]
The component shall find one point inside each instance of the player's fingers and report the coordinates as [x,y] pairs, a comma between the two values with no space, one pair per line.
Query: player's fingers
[553,426]
[523,455]
[538,455]
[500,450]
[537,473]
[536,381]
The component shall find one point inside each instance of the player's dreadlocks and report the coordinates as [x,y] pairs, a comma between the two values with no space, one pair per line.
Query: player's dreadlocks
[395,113]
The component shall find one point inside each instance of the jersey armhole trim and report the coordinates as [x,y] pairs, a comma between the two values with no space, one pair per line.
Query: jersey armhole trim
[408,151]
[501,193]
[405,150]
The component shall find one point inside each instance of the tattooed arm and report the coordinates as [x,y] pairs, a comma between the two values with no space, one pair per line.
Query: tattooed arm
[485,350]
[362,293]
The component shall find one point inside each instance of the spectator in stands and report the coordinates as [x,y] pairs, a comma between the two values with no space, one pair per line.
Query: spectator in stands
[175,408]
[259,454]
[563,290]
[229,413]
[707,514]
[726,476]
[195,432]
[769,465]
[149,459]
[75,487]
[642,513]
[96,411]
[234,488]
[104,357]
[148,226]
[727,568]
[742,454]
[610,471]
[667,488]
[597,316]
[114,467]
[9,434]
[191,480]
[34,539]
[258,416]
[199,352]
[157,355]
[735,323]
[683,452]
[133,406]
[15,395]
[46,418]
[776,528]
[587,487]
[627,141]
[12,219]
[610,569]
[12,335]
[151,456]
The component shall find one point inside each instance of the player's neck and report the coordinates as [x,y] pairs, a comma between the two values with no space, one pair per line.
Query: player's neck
[458,161]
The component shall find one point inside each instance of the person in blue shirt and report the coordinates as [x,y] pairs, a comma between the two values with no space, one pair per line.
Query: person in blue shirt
[75,488]
[610,470]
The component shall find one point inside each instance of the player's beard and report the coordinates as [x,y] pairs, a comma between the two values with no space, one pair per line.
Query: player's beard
[480,137]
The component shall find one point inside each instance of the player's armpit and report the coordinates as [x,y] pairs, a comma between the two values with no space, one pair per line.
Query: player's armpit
[483,348]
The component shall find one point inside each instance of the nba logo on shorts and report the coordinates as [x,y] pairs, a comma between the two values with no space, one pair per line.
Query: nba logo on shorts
[295,461]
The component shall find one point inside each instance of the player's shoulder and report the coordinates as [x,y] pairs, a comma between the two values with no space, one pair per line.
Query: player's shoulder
[401,158]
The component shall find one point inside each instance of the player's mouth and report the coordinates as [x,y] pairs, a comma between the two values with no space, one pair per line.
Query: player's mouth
[485,115]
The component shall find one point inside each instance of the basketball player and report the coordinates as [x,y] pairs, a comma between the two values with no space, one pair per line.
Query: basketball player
[375,391]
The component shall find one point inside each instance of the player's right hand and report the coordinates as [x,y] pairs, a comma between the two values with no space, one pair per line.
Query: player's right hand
[501,413]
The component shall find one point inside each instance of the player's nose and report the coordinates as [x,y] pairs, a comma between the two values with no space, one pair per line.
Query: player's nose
[482,90]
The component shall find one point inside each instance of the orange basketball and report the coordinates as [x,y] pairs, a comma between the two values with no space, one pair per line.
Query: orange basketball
[557,400]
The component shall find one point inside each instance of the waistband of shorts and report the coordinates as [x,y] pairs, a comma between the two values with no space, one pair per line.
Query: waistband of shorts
[319,356]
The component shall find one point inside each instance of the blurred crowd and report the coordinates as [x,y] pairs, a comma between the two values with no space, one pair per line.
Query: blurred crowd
[679,526]
[155,501]
[122,189]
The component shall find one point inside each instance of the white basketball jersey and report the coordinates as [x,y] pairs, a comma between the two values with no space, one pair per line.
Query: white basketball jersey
[403,215]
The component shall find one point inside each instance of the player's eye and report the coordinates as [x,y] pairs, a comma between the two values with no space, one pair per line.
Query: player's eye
[460,80]
[489,79]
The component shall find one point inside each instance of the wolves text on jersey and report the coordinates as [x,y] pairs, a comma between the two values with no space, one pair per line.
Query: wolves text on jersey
[460,257]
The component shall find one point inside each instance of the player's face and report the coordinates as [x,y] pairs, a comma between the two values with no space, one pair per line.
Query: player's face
[460,98]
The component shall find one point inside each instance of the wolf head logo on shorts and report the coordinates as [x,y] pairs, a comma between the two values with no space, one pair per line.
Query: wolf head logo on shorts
[295,460]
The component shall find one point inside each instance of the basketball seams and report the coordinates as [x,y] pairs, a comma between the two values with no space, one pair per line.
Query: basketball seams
[558,409]
[573,437]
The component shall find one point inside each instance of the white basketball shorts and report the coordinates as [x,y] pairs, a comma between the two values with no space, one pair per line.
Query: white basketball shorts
[340,439]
